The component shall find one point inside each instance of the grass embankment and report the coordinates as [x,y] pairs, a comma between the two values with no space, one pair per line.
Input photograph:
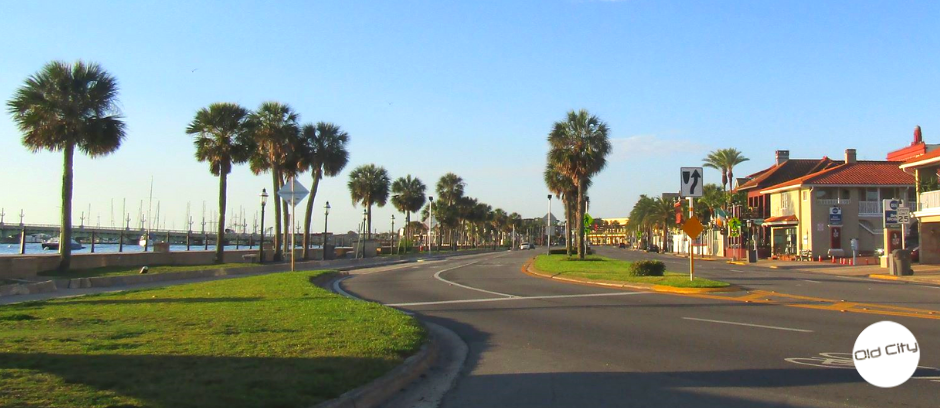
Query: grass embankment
[607,269]
[133,270]
[264,341]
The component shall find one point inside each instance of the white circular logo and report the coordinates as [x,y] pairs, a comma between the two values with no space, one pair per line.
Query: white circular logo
[886,354]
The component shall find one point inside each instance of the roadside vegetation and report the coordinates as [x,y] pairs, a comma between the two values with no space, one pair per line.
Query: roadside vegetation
[134,270]
[606,269]
[266,341]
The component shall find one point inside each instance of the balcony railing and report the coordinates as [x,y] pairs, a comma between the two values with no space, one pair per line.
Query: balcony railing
[833,201]
[869,208]
[930,199]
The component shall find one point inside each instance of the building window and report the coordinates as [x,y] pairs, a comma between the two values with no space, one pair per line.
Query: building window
[871,194]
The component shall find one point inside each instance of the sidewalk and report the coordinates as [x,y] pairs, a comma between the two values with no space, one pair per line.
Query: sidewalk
[927,274]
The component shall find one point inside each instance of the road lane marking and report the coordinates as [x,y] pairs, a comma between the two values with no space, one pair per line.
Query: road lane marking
[749,325]
[438,277]
[810,280]
[448,302]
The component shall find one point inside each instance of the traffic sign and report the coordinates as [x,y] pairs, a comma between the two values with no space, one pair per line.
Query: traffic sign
[691,181]
[693,227]
[904,215]
[293,192]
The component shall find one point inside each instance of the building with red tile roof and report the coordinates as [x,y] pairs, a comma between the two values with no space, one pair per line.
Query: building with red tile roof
[820,213]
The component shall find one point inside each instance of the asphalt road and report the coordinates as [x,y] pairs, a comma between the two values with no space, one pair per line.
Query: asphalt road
[539,343]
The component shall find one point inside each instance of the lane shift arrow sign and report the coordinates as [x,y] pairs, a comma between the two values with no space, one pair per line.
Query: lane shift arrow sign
[691,181]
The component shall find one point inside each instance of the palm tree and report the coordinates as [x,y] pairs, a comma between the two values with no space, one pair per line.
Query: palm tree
[275,130]
[63,107]
[579,149]
[368,185]
[497,219]
[565,190]
[222,138]
[324,153]
[724,160]
[408,198]
[450,189]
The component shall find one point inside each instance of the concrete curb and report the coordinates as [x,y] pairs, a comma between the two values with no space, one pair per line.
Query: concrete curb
[884,277]
[529,269]
[383,388]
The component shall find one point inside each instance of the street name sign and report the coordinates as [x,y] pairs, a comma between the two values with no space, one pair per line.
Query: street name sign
[691,180]
[293,192]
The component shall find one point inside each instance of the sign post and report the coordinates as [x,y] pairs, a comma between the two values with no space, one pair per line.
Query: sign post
[691,182]
[293,192]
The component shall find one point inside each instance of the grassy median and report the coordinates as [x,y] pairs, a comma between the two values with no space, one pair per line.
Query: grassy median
[133,270]
[606,269]
[264,341]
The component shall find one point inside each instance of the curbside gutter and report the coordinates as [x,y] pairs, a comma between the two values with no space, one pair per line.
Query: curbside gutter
[385,387]
[529,269]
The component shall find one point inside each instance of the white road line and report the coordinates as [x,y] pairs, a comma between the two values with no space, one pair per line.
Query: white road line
[810,280]
[438,277]
[736,270]
[749,325]
[449,302]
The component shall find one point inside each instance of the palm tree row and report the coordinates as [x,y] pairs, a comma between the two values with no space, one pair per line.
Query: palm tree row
[650,215]
[272,140]
[724,161]
[464,220]
[578,149]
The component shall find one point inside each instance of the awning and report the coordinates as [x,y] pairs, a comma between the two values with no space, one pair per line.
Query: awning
[781,220]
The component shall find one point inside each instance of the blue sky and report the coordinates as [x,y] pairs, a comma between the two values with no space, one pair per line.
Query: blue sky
[473,87]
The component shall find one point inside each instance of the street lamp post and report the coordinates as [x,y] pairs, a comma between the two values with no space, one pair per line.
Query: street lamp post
[430,220]
[264,201]
[548,226]
[392,236]
[326,219]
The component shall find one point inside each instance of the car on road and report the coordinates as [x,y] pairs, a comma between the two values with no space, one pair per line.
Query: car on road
[652,248]
[526,245]
[622,245]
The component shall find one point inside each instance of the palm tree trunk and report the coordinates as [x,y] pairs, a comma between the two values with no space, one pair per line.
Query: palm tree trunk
[369,223]
[276,238]
[408,231]
[220,233]
[65,233]
[567,227]
[288,228]
[309,213]
[580,219]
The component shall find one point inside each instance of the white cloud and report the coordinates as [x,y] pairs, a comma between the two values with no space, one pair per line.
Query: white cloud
[650,145]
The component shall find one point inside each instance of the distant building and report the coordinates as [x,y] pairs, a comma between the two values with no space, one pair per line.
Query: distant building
[609,231]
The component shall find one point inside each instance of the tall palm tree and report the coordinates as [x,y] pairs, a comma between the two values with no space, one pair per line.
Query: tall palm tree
[733,157]
[579,148]
[275,129]
[724,160]
[323,152]
[368,185]
[497,219]
[450,188]
[408,197]
[63,107]
[222,138]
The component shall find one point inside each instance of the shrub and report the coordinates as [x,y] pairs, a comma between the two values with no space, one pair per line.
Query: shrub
[647,268]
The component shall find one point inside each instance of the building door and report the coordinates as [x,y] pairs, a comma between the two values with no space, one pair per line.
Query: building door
[835,237]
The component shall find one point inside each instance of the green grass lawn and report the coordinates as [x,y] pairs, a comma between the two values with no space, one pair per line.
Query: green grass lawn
[133,270]
[265,341]
[602,268]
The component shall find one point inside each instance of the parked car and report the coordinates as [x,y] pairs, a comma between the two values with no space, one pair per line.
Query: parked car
[622,245]
[915,254]
[526,245]
[652,248]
